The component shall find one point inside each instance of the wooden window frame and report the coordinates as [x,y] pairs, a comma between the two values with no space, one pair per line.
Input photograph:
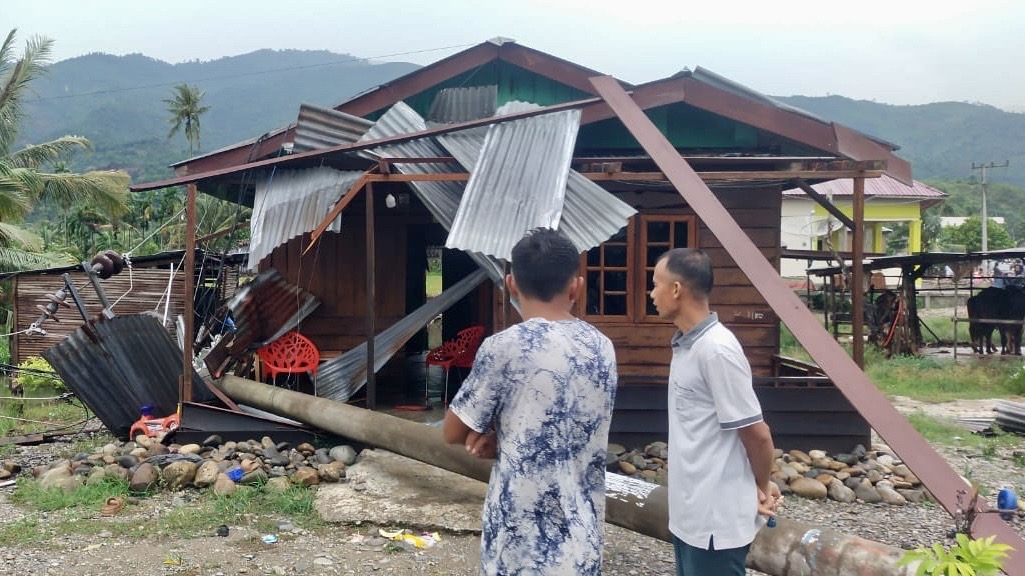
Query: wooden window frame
[636,268]
[642,285]
[630,262]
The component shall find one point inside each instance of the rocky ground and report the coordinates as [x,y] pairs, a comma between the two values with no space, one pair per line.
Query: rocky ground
[98,544]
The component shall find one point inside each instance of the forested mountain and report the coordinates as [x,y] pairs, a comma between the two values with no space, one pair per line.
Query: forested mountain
[117,101]
[941,139]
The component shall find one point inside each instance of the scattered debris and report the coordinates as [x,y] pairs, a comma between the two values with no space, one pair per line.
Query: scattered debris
[425,540]
[112,506]
[1010,416]
[269,539]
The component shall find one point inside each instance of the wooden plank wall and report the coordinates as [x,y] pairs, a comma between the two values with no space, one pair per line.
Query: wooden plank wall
[335,272]
[145,289]
[643,355]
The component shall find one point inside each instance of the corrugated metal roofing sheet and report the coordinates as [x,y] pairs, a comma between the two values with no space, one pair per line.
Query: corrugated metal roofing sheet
[290,203]
[119,365]
[441,198]
[591,215]
[342,376]
[453,105]
[262,310]
[323,127]
[518,183]
[884,186]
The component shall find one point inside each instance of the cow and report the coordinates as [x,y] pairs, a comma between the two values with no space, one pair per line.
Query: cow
[996,304]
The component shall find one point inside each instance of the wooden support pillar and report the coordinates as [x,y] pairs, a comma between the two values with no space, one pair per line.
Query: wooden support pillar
[371,298]
[858,274]
[185,391]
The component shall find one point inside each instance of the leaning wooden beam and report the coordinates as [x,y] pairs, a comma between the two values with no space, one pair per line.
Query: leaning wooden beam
[222,232]
[825,203]
[344,201]
[942,481]
[719,176]
[858,274]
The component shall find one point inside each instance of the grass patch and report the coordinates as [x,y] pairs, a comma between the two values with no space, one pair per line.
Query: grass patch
[30,494]
[938,431]
[19,417]
[433,284]
[939,381]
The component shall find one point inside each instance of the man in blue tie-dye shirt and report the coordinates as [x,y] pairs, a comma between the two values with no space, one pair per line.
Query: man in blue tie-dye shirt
[539,400]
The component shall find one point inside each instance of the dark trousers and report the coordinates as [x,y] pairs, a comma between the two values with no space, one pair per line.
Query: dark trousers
[691,561]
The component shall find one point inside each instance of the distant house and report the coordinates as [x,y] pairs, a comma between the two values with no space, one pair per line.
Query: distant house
[805,225]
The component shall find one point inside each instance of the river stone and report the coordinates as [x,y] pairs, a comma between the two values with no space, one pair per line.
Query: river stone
[266,442]
[657,450]
[251,465]
[223,486]
[822,463]
[144,478]
[96,476]
[874,476]
[788,472]
[115,471]
[11,466]
[213,441]
[256,477]
[841,493]
[127,461]
[331,472]
[616,449]
[344,454]
[139,452]
[305,477]
[278,485]
[889,495]
[816,454]
[867,493]
[856,471]
[109,449]
[843,475]
[885,460]
[206,474]
[178,475]
[825,479]
[913,496]
[799,456]
[4,474]
[649,475]
[848,459]
[190,449]
[54,477]
[322,456]
[801,467]
[627,467]
[108,459]
[852,483]
[306,448]
[155,449]
[273,457]
[808,488]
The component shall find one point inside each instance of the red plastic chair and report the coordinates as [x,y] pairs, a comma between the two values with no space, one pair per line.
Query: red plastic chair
[292,353]
[458,352]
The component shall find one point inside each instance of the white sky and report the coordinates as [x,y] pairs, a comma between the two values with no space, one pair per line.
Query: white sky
[894,51]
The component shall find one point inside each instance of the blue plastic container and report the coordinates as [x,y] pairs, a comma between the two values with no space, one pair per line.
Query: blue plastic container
[1007,503]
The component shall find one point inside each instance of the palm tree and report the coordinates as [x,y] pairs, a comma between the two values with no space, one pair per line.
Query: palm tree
[186,107]
[36,172]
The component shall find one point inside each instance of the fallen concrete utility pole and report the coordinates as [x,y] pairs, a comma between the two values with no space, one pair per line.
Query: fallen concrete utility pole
[789,549]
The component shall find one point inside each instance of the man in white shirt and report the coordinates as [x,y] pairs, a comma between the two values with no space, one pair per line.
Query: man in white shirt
[720,449]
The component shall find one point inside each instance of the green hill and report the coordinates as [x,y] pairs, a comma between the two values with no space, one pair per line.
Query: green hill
[941,139]
[117,101]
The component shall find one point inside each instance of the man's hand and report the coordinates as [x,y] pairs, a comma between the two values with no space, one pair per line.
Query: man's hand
[769,499]
[483,446]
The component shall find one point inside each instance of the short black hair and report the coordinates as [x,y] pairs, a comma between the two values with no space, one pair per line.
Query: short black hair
[543,263]
[693,267]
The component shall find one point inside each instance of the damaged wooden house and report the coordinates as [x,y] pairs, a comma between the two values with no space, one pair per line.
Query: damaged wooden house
[466,154]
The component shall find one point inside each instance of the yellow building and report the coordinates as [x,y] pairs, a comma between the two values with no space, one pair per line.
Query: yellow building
[806,224]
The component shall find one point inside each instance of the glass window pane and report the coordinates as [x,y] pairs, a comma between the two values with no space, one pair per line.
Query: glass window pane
[594,257]
[654,253]
[615,281]
[620,236]
[615,305]
[658,231]
[593,293]
[650,308]
[615,256]
[681,234]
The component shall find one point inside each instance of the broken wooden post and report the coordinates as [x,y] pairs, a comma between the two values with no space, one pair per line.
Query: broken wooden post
[789,549]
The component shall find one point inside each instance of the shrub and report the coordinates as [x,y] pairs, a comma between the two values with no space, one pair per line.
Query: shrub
[36,374]
[969,557]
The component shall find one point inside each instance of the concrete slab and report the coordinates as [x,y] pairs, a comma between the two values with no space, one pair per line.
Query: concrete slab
[387,489]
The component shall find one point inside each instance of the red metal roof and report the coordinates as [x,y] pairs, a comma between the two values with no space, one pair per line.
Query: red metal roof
[883,186]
